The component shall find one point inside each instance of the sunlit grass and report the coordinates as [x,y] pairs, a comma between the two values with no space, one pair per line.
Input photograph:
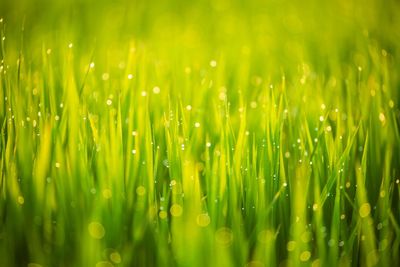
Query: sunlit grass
[172,133]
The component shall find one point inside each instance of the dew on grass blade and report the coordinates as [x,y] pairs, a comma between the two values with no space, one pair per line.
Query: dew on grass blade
[203,220]
[140,190]
[20,200]
[222,95]
[224,236]
[96,230]
[115,257]
[166,163]
[382,117]
[291,245]
[305,255]
[364,210]
[316,263]
[156,90]
[162,214]
[266,236]
[176,210]
[315,206]
[107,194]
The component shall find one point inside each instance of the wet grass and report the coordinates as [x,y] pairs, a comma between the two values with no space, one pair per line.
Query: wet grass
[199,134]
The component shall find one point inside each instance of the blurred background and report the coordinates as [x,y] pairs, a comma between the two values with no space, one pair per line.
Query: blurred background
[293,29]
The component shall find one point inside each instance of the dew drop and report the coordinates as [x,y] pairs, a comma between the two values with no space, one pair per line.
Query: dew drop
[364,210]
[156,90]
[96,230]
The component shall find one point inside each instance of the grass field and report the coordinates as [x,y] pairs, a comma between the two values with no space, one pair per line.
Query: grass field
[199,133]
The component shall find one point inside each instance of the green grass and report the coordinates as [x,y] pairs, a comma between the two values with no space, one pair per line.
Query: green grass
[213,133]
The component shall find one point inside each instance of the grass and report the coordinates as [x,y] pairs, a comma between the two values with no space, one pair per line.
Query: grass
[212,133]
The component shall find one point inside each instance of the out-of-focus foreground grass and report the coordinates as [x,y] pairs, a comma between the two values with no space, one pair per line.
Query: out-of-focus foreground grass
[199,133]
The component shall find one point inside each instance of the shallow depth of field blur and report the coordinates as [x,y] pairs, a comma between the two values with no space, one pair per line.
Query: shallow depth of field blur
[199,133]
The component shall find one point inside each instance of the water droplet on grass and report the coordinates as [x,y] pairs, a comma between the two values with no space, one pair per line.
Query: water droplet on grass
[156,90]
[115,257]
[224,236]
[96,230]
[162,214]
[107,194]
[20,200]
[382,117]
[203,220]
[140,190]
[305,255]
[365,210]
[176,210]
[166,163]
[291,245]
